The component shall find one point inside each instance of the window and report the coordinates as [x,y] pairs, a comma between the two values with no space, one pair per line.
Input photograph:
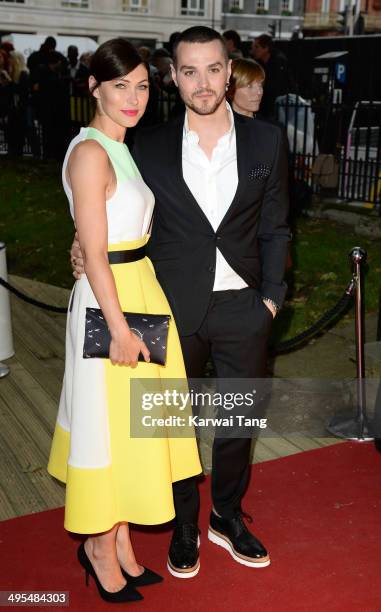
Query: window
[325,5]
[343,4]
[286,6]
[135,6]
[262,5]
[236,6]
[193,7]
[14,1]
[81,4]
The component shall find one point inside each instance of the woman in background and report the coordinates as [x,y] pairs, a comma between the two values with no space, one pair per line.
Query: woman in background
[245,94]
[246,86]
[21,118]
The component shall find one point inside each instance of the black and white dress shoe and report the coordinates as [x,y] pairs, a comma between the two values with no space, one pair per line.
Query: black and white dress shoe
[183,557]
[234,536]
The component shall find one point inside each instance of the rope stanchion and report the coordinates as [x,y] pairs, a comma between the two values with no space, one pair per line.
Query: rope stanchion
[356,428]
[4,370]
[30,300]
[6,344]
[353,428]
[327,320]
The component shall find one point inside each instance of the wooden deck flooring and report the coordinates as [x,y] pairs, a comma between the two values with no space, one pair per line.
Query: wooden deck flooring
[28,407]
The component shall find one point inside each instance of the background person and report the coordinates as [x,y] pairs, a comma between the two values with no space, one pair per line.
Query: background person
[53,102]
[78,72]
[279,80]
[245,94]
[85,58]
[246,86]
[40,58]
[233,44]
[6,92]
[21,116]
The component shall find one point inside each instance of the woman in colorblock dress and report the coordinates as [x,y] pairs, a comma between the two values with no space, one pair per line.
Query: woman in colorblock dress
[111,477]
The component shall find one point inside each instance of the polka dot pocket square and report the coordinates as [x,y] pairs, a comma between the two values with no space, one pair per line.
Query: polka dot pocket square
[260,172]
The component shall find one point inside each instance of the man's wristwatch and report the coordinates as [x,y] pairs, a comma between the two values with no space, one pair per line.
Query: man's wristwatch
[272,303]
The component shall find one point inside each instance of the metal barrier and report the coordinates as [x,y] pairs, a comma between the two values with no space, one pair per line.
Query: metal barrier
[6,345]
[358,427]
[349,134]
[80,112]
[326,321]
[353,428]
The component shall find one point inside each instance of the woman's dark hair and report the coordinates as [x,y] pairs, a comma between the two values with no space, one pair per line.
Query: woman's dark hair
[115,58]
[198,34]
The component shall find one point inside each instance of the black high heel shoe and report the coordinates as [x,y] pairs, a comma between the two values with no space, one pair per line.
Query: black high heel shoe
[145,579]
[127,593]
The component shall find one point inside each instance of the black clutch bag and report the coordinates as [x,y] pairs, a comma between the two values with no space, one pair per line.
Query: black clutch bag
[151,328]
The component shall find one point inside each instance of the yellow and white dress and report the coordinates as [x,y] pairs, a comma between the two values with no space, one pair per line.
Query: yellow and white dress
[111,476]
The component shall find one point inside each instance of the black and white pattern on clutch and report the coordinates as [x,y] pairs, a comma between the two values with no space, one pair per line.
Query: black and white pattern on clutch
[260,172]
[151,328]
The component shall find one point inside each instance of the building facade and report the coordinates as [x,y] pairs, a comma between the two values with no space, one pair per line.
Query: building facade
[153,21]
[322,17]
[281,18]
[142,21]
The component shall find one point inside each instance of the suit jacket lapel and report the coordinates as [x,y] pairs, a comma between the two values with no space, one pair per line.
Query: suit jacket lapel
[176,162]
[244,158]
[243,146]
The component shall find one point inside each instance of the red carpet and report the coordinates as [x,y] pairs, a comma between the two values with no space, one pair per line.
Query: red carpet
[318,512]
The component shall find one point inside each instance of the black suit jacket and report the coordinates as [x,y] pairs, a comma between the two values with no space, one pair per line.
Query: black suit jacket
[252,236]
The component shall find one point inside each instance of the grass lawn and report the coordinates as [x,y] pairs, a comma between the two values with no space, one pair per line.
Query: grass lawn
[37,228]
[321,271]
[35,222]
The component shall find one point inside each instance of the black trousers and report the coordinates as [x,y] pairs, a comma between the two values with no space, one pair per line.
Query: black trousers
[235,334]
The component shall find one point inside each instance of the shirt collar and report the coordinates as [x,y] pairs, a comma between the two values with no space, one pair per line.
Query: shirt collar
[192,137]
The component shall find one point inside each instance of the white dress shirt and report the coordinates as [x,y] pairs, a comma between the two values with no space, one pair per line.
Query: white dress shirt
[213,184]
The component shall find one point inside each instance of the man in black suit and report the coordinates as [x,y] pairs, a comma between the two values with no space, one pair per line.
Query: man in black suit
[219,248]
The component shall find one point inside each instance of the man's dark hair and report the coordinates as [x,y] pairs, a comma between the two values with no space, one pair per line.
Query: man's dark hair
[50,42]
[162,52]
[198,34]
[115,58]
[234,37]
[265,40]
[72,49]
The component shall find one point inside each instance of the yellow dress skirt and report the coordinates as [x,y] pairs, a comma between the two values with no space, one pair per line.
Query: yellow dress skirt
[110,475]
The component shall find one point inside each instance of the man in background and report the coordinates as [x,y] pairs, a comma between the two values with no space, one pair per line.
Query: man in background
[279,80]
[78,73]
[233,44]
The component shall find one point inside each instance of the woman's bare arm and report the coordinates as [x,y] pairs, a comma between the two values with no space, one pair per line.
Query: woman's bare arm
[89,174]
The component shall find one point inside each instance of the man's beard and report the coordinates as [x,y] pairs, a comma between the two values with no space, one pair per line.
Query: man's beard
[204,109]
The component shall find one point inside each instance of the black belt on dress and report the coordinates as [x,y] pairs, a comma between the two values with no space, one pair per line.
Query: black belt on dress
[128,256]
